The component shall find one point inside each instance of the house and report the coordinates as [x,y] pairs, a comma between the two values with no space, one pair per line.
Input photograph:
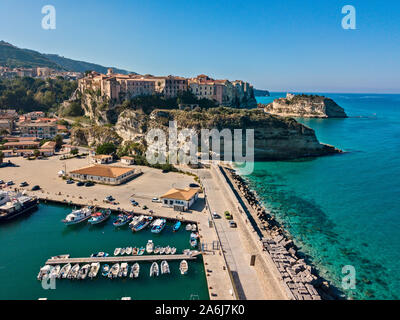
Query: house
[48,149]
[102,158]
[21,145]
[127,160]
[180,199]
[103,174]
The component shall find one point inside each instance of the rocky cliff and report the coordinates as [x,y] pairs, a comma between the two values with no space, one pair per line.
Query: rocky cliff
[94,136]
[305,106]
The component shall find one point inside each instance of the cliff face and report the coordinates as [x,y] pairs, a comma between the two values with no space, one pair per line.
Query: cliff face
[94,136]
[305,106]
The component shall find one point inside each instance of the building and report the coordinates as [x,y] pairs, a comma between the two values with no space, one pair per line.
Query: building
[21,145]
[103,174]
[41,130]
[48,149]
[128,160]
[6,125]
[180,199]
[102,159]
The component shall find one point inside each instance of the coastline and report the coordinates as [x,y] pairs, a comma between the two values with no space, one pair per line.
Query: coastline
[301,278]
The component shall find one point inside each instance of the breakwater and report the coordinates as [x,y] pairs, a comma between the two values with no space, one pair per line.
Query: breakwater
[301,278]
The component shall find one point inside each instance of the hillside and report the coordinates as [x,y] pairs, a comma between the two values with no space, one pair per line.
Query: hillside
[14,57]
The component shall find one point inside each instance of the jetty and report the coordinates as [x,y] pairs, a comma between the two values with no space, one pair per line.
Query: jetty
[117,259]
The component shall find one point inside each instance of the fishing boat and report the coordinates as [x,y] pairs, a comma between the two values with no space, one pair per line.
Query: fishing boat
[168,250]
[188,227]
[157,250]
[135,271]
[94,270]
[154,270]
[114,271]
[173,250]
[134,221]
[164,267]
[122,220]
[124,270]
[78,216]
[176,227]
[150,246]
[183,267]
[162,250]
[105,270]
[141,251]
[74,272]
[117,251]
[65,270]
[158,225]
[44,272]
[14,205]
[99,216]
[135,251]
[128,250]
[83,272]
[99,255]
[141,223]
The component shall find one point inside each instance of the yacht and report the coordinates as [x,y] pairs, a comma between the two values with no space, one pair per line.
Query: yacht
[78,216]
[11,207]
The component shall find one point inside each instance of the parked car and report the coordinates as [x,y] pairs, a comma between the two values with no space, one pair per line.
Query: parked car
[134,203]
[228,215]
[155,200]
[23,184]
[110,198]
[89,184]
[70,181]
[1,181]
[194,185]
[216,215]
[35,188]
[80,184]
[232,224]
[10,183]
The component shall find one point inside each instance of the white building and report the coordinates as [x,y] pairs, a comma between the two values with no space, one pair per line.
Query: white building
[102,159]
[128,160]
[180,199]
[103,174]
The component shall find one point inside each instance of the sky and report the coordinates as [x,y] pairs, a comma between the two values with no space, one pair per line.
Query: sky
[277,45]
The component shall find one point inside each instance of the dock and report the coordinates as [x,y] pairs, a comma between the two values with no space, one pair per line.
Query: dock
[118,259]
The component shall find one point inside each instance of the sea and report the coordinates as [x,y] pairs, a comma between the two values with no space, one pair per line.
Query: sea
[28,241]
[343,211]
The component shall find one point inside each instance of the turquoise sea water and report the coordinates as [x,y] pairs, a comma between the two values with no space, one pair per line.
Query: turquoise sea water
[345,209]
[27,243]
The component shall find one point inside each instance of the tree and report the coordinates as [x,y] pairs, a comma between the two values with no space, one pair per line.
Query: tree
[1,156]
[58,139]
[106,148]
[74,151]
[36,153]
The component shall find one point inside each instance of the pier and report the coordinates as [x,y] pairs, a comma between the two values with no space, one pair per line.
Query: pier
[118,259]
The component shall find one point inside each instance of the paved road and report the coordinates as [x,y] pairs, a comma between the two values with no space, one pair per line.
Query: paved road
[238,259]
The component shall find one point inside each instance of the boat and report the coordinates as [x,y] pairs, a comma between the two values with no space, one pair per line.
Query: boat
[164,267]
[117,251]
[124,270]
[65,270]
[193,243]
[183,267]
[135,271]
[158,225]
[99,255]
[194,227]
[189,227]
[15,205]
[55,272]
[176,227]
[77,216]
[135,251]
[73,272]
[141,251]
[173,250]
[122,251]
[150,246]
[105,270]
[167,250]
[114,271]
[134,221]
[162,250]
[141,223]
[122,220]
[83,272]
[94,270]
[128,250]
[61,256]
[154,270]
[194,235]
[99,216]
[44,272]
[157,250]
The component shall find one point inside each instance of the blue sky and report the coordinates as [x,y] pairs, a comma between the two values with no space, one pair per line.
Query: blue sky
[278,45]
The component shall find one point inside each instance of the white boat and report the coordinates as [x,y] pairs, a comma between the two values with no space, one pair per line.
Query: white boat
[154,270]
[78,216]
[44,272]
[173,250]
[164,267]
[73,272]
[122,251]
[124,269]
[183,267]
[94,270]
[168,250]
[135,271]
[162,250]
[128,250]
[55,272]
[150,246]
[188,227]
[65,270]
[83,272]
[114,271]
[194,227]
[157,250]
[117,251]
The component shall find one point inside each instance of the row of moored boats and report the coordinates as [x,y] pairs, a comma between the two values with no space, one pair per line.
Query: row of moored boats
[150,248]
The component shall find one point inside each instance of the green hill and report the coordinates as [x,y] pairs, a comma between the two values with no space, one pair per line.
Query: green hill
[14,57]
